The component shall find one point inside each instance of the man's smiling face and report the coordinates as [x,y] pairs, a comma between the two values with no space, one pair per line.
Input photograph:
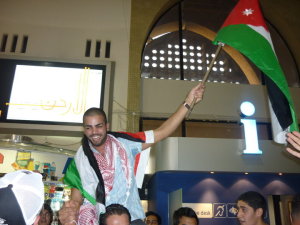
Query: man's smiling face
[95,129]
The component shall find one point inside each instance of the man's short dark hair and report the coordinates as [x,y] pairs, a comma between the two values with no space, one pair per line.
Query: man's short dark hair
[151,213]
[114,209]
[254,200]
[95,111]
[184,211]
[295,207]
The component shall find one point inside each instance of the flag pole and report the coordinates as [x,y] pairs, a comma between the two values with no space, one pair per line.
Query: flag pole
[220,45]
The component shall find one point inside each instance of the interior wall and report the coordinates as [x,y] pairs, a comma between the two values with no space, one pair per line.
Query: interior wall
[220,101]
[220,154]
[143,15]
[59,30]
[284,16]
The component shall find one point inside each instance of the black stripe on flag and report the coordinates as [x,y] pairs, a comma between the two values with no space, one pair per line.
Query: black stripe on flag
[280,104]
[125,136]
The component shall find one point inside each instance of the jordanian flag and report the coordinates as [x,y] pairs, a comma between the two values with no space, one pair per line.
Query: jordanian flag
[246,31]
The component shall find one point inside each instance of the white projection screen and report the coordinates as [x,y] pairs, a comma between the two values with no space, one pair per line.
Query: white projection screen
[58,94]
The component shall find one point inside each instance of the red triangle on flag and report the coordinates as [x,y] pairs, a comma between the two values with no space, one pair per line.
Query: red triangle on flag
[246,12]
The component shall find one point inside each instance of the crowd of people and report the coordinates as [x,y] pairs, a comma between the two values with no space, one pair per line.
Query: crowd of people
[103,183]
[22,203]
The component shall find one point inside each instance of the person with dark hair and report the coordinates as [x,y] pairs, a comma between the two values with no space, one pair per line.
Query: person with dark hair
[46,215]
[295,210]
[185,216]
[152,218]
[115,214]
[252,208]
[102,171]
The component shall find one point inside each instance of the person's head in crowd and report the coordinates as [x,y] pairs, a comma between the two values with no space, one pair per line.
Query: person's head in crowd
[46,215]
[252,208]
[21,198]
[295,210]
[185,216]
[115,214]
[152,218]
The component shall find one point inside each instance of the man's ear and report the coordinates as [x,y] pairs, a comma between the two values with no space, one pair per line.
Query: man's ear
[259,212]
[107,127]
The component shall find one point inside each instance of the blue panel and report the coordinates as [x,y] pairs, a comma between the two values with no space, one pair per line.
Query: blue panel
[200,187]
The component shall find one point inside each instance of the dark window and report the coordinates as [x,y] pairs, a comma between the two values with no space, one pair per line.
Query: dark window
[98,49]
[88,48]
[24,44]
[107,49]
[3,42]
[14,43]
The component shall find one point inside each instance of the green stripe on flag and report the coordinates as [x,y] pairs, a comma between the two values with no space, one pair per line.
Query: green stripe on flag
[72,179]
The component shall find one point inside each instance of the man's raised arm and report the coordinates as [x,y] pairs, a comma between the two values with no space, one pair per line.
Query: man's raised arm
[170,125]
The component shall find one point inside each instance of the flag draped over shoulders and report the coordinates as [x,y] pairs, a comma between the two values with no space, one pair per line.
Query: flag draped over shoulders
[72,177]
[246,31]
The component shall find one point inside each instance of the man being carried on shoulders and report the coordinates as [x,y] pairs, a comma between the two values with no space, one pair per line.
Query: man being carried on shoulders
[102,171]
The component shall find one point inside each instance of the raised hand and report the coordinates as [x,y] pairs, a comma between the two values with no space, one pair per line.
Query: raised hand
[293,139]
[195,95]
[68,214]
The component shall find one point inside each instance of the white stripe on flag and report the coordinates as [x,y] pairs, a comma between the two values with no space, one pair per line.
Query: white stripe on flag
[141,167]
[263,32]
[279,135]
[149,136]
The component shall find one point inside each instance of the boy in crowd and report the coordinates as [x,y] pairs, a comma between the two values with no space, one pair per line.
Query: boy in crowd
[152,218]
[46,215]
[185,216]
[115,214]
[252,208]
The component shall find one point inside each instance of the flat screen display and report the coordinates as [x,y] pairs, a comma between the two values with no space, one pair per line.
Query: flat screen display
[53,92]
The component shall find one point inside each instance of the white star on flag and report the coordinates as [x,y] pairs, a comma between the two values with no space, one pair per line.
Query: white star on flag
[248,12]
